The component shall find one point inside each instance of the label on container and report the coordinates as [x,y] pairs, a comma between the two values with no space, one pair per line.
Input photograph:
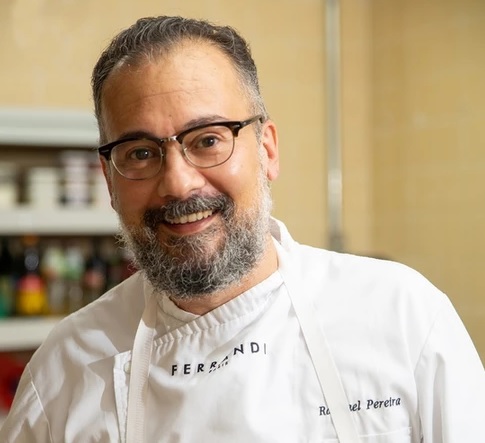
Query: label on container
[31,296]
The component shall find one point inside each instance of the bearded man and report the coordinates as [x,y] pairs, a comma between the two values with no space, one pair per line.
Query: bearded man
[231,331]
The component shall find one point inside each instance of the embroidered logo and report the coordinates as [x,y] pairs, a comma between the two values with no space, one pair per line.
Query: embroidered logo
[194,368]
[366,405]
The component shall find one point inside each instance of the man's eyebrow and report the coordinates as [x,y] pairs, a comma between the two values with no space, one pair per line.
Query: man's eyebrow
[135,134]
[207,119]
[199,121]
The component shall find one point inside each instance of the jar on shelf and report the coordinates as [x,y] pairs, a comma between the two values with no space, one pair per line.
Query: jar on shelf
[8,185]
[42,187]
[99,189]
[76,178]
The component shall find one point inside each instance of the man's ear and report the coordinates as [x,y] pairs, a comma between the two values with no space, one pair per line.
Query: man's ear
[269,141]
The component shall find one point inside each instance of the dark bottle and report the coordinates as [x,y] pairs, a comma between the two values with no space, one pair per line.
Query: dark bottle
[120,265]
[31,297]
[53,266]
[7,282]
[95,274]
[73,274]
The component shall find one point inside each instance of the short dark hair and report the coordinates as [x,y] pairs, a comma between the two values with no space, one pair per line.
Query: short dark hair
[151,36]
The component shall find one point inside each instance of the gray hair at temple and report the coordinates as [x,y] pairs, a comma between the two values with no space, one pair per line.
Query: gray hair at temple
[153,36]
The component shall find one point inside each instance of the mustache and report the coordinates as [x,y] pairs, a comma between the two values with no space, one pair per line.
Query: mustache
[177,208]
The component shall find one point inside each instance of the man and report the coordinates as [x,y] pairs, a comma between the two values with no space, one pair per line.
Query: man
[231,331]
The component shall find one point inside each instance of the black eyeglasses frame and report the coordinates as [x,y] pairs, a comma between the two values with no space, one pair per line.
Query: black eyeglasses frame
[234,126]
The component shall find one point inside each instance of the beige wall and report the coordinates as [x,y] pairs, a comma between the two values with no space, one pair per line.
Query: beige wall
[356,93]
[428,135]
[414,111]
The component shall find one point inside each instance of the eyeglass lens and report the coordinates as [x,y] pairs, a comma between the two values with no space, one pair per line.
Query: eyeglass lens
[204,147]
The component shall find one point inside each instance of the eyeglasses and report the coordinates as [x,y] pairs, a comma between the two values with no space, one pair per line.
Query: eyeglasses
[204,146]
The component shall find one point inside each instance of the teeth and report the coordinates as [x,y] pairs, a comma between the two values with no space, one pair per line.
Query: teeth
[190,218]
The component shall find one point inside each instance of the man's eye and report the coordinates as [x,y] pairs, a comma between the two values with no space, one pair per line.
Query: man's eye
[207,142]
[141,154]
[208,139]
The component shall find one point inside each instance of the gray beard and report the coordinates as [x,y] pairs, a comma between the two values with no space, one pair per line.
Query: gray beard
[192,266]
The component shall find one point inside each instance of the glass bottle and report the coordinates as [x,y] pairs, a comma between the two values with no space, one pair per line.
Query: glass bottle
[73,274]
[31,296]
[53,266]
[95,274]
[7,285]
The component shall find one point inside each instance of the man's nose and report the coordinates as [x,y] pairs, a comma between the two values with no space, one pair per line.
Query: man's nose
[177,177]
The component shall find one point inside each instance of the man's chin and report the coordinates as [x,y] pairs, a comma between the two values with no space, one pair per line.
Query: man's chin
[206,242]
[192,250]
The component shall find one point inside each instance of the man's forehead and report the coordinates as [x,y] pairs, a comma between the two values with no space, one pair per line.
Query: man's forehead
[193,79]
[187,49]
[189,64]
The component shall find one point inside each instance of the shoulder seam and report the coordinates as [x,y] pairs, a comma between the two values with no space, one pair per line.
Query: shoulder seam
[40,402]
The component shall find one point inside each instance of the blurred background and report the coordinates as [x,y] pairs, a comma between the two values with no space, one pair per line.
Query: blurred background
[380,107]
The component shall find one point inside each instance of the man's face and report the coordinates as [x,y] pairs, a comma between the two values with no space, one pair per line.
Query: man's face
[192,230]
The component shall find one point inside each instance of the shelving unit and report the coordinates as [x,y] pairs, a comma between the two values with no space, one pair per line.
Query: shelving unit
[48,130]
[59,221]
[35,136]
[28,333]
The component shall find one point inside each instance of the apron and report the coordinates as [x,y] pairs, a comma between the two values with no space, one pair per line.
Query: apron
[315,339]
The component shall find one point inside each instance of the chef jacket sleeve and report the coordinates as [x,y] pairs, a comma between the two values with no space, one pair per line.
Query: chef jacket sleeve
[451,383]
[26,421]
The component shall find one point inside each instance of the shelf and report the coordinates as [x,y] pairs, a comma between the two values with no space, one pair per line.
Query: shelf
[58,221]
[22,334]
[48,127]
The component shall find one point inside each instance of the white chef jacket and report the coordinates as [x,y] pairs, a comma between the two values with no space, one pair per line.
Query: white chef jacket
[242,372]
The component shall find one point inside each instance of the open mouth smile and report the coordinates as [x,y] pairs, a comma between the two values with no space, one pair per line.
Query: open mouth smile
[189,218]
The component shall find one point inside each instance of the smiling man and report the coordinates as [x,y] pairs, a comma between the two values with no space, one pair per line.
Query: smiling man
[231,331]
[195,206]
